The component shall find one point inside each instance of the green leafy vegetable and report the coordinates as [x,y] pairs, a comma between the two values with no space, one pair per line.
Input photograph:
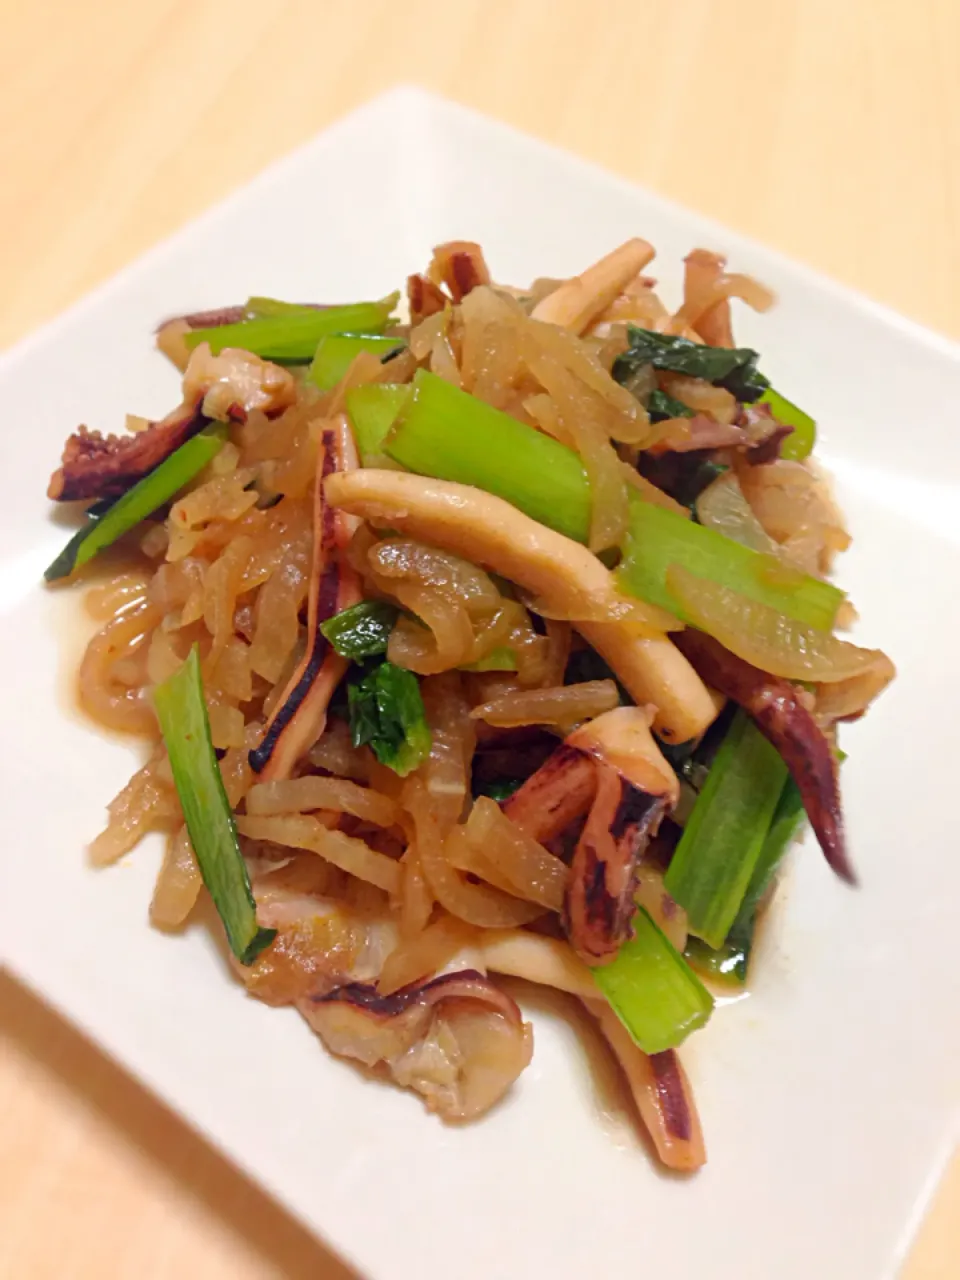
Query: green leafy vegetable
[295,336]
[106,523]
[720,848]
[799,444]
[447,433]
[654,992]
[363,630]
[182,713]
[659,538]
[386,711]
[372,410]
[336,353]
[734,368]
[660,406]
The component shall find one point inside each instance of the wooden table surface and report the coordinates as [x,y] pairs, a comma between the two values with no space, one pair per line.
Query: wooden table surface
[828,128]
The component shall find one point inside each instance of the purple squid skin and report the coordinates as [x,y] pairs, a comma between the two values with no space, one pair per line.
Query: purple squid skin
[599,902]
[776,708]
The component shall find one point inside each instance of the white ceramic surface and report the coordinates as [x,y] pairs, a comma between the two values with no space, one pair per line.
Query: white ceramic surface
[829,1098]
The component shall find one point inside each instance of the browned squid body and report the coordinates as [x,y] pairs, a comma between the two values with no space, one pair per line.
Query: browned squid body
[780,715]
[95,466]
[457,266]
[215,388]
[662,1092]
[300,715]
[610,770]
[457,1039]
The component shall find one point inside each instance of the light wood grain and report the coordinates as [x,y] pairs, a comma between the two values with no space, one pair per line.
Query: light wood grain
[829,128]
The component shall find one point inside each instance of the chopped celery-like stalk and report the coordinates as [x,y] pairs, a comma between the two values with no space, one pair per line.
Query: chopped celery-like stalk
[799,444]
[156,488]
[267,308]
[652,989]
[729,963]
[718,852]
[785,826]
[372,410]
[185,726]
[501,658]
[337,351]
[444,432]
[659,538]
[295,336]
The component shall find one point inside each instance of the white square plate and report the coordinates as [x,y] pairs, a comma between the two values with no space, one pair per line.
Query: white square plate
[829,1096]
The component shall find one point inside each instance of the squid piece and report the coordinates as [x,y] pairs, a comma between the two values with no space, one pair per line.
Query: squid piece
[234,383]
[777,708]
[655,673]
[553,797]
[424,298]
[460,266]
[576,303]
[612,770]
[599,906]
[621,738]
[635,789]
[562,573]
[688,435]
[209,319]
[661,1090]
[95,466]
[536,958]
[456,1039]
[215,388]
[321,942]
[301,714]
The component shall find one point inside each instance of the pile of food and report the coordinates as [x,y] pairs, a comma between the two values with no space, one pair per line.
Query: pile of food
[496,641]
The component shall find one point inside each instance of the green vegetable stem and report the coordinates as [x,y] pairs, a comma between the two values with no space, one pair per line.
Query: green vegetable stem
[447,433]
[729,963]
[337,351]
[146,496]
[652,989]
[182,713]
[373,409]
[720,849]
[659,538]
[295,335]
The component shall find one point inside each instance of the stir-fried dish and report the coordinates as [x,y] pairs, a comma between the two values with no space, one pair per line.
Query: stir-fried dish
[493,641]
